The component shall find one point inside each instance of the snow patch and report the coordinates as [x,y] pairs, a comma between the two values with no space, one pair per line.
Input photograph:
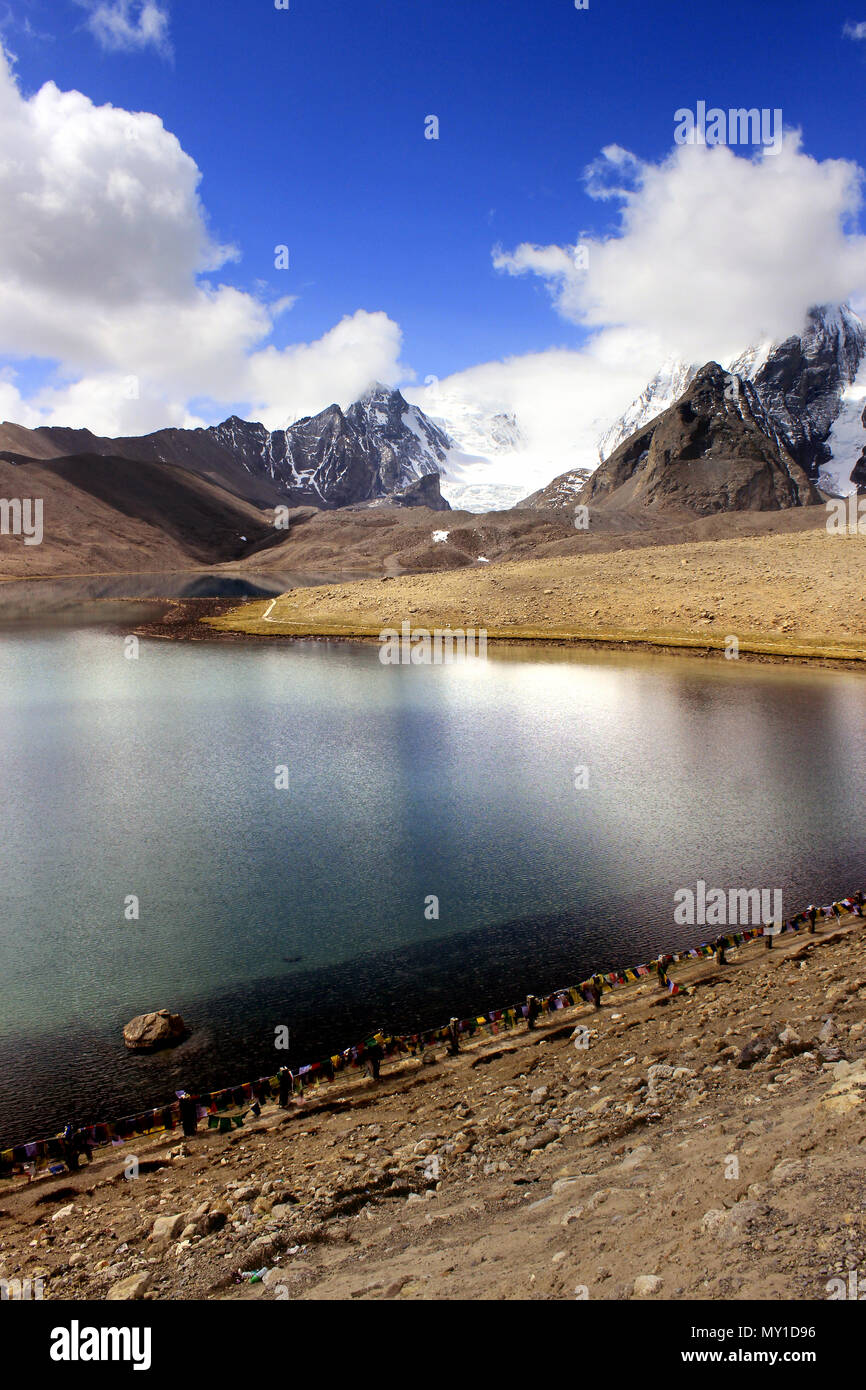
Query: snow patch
[847,439]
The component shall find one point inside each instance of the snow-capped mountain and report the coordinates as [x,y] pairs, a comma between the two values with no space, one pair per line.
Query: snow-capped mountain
[484,467]
[476,431]
[407,443]
[805,386]
[491,460]
[847,441]
[668,384]
[377,448]
[812,389]
[714,450]
[809,392]
[380,447]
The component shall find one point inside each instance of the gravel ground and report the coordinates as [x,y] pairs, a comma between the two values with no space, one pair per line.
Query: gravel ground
[709,1145]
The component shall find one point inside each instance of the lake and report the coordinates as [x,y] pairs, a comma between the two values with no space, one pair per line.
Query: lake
[311,906]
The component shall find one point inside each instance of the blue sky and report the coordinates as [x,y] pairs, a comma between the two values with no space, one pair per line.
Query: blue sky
[307,126]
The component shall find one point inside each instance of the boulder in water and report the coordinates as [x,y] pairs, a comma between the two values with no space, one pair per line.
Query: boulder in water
[150,1031]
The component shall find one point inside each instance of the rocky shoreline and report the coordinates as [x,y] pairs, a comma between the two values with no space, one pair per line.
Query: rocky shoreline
[704,1145]
[781,597]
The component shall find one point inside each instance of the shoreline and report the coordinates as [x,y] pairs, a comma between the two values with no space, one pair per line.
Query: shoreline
[772,597]
[38,1155]
[519,1168]
[791,596]
[199,620]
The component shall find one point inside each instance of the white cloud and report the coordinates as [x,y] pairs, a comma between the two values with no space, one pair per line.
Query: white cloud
[12,404]
[714,251]
[614,174]
[563,401]
[108,268]
[855,31]
[557,265]
[300,379]
[127,26]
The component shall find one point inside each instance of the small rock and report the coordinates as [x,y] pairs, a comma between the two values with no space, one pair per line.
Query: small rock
[262,1248]
[282,1211]
[150,1031]
[637,1156]
[753,1052]
[645,1285]
[790,1170]
[658,1076]
[539,1140]
[849,1092]
[134,1286]
[167,1227]
[713,1220]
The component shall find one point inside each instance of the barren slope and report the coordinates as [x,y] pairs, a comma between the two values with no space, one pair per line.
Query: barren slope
[801,593]
[563,1172]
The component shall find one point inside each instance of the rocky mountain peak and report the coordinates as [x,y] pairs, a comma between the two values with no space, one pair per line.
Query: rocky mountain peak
[712,451]
[377,449]
[804,380]
[804,386]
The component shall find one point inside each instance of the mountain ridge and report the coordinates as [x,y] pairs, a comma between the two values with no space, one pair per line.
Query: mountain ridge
[807,395]
[714,450]
[379,448]
[801,383]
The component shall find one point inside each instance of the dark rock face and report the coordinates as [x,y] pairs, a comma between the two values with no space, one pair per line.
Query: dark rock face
[408,445]
[800,385]
[715,450]
[381,447]
[793,398]
[424,492]
[801,382]
[370,452]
